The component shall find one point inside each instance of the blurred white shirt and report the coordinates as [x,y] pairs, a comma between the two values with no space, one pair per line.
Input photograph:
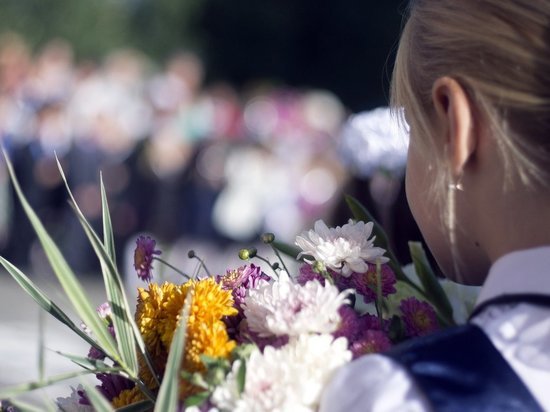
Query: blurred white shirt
[521,332]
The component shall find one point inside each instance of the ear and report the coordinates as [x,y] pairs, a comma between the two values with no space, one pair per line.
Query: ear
[454,116]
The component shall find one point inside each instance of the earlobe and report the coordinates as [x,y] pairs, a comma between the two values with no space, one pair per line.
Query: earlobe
[454,115]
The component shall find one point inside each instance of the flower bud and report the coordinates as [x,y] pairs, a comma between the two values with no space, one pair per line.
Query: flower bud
[244,254]
[319,267]
[268,238]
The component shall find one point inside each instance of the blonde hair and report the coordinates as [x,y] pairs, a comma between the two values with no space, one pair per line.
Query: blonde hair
[499,51]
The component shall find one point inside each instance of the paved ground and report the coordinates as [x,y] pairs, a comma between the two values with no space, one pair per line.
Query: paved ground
[20,323]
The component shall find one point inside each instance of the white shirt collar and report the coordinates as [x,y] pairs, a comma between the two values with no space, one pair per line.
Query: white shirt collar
[521,272]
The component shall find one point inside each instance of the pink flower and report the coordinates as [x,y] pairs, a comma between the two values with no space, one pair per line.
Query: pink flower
[143,257]
[419,317]
[366,283]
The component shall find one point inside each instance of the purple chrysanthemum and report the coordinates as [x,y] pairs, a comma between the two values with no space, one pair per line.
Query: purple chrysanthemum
[97,354]
[370,341]
[373,322]
[350,324]
[307,273]
[240,280]
[419,317]
[143,257]
[83,397]
[366,283]
[112,385]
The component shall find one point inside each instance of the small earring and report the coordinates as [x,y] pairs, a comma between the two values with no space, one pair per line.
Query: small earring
[456,186]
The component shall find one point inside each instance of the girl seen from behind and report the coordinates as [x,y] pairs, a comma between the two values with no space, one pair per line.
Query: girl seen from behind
[472,79]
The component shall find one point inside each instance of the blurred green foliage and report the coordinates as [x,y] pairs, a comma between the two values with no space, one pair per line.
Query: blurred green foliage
[343,45]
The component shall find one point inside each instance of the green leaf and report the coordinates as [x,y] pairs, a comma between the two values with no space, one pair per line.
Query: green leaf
[122,316]
[93,365]
[108,236]
[197,399]
[11,391]
[141,406]
[44,301]
[430,283]
[361,213]
[167,399]
[289,250]
[98,401]
[41,347]
[25,407]
[241,377]
[72,287]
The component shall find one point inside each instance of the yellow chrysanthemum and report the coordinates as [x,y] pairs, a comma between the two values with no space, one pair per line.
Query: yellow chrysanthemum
[210,304]
[127,397]
[150,313]
[157,315]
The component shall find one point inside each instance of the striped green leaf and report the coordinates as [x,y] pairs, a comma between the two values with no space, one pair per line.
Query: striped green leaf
[98,401]
[430,283]
[142,406]
[12,391]
[26,407]
[360,213]
[44,301]
[108,236]
[72,287]
[122,316]
[167,399]
[93,365]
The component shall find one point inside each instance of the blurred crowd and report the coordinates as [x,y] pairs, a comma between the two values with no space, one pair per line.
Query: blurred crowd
[178,158]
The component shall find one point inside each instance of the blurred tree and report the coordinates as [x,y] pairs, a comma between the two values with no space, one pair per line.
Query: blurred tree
[91,26]
[339,45]
[160,27]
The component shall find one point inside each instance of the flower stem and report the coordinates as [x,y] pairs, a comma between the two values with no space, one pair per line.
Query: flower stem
[280,259]
[172,267]
[379,297]
[269,263]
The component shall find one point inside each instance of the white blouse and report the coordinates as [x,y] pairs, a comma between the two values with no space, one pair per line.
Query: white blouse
[521,332]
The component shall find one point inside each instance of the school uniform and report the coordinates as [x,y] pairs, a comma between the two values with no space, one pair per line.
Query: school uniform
[499,361]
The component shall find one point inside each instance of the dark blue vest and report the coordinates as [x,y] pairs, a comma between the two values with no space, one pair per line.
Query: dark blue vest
[459,370]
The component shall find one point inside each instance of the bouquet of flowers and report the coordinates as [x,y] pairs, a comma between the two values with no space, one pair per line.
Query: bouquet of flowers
[256,338]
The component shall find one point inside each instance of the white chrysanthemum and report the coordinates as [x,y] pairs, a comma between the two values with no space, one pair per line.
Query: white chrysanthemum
[344,249]
[287,308]
[71,403]
[290,378]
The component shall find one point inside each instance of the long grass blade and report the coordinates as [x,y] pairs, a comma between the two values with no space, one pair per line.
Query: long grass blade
[44,301]
[98,401]
[361,213]
[11,391]
[72,287]
[41,345]
[142,406]
[430,283]
[93,365]
[108,236]
[24,406]
[122,316]
[167,399]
